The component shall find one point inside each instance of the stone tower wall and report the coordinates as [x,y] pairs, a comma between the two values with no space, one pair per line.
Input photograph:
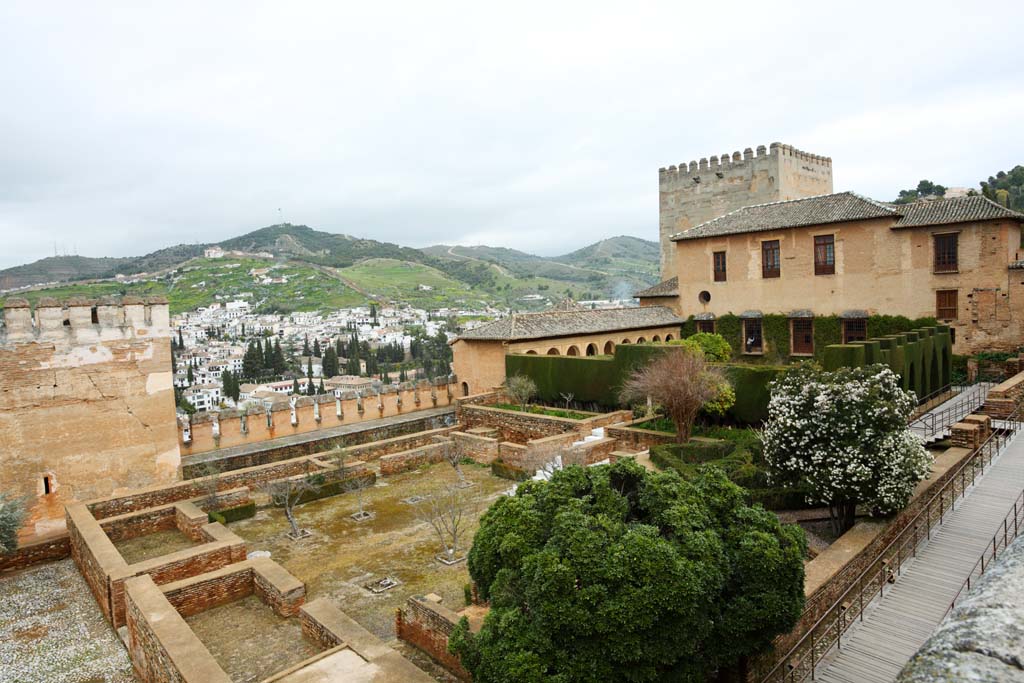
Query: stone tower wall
[690,194]
[86,402]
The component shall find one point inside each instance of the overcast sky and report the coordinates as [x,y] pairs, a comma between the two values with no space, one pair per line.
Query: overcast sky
[540,126]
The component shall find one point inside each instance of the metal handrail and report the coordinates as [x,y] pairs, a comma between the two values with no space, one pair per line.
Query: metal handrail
[802,658]
[1011,529]
[970,400]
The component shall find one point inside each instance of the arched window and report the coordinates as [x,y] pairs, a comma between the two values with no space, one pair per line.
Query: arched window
[609,348]
[465,389]
[655,338]
[531,352]
[573,351]
[625,341]
[553,351]
[668,337]
[640,340]
[591,349]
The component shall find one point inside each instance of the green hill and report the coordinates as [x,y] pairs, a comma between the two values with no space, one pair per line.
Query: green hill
[328,270]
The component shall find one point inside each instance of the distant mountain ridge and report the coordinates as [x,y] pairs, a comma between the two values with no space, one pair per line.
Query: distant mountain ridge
[614,266]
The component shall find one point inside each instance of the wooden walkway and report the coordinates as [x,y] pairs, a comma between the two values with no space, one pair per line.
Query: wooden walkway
[898,624]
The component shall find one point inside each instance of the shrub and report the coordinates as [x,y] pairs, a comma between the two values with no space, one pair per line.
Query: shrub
[12,515]
[843,436]
[611,573]
[234,514]
[714,346]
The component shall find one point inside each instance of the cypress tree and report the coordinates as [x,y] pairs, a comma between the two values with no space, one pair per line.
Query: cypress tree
[190,377]
[316,348]
[279,363]
[321,389]
[305,345]
[181,342]
[295,386]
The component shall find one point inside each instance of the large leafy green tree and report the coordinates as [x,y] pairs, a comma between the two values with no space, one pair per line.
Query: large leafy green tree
[611,573]
[843,436]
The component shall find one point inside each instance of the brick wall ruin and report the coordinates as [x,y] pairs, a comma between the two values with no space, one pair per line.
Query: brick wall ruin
[86,402]
[427,625]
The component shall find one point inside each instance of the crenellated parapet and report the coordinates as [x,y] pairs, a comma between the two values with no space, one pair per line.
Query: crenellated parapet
[83,321]
[737,160]
[205,431]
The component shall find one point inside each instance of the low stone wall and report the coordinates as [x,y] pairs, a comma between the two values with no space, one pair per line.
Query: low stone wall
[106,572]
[1004,398]
[162,647]
[267,452]
[427,626]
[398,444]
[410,460]
[41,550]
[631,439]
[589,453]
[482,449]
[154,496]
[516,426]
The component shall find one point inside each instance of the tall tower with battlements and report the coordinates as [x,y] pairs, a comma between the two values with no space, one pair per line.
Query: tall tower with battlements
[690,194]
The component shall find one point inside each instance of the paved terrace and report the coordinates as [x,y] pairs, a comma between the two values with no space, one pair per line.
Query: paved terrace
[319,435]
[878,649]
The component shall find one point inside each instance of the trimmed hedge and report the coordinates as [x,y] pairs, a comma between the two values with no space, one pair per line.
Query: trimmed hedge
[506,471]
[233,514]
[775,331]
[599,379]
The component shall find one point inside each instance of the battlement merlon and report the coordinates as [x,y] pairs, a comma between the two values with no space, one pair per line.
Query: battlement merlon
[79,321]
[737,160]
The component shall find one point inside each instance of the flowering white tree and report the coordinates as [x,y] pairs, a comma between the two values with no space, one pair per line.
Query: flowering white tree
[843,435]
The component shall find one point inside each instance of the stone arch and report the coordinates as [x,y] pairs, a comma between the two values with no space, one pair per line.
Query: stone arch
[553,351]
[656,338]
[573,351]
[609,347]
[591,349]
[668,337]
[640,340]
[531,352]
[465,388]
[625,341]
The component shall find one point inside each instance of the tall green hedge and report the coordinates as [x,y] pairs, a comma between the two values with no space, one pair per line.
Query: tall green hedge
[599,379]
[775,330]
[923,358]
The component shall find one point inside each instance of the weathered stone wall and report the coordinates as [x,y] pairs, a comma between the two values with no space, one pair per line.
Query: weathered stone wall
[690,194]
[515,426]
[86,403]
[162,647]
[482,449]
[267,452]
[54,547]
[411,459]
[1004,398]
[210,431]
[637,439]
[372,451]
[427,626]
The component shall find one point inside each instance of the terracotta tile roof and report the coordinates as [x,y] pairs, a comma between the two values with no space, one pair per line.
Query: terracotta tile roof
[847,206]
[524,326]
[826,208]
[668,287]
[952,210]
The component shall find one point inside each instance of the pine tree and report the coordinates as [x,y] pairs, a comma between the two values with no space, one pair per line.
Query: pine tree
[330,363]
[268,355]
[251,362]
[316,348]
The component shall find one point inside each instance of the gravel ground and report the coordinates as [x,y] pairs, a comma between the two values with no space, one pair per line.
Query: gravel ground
[52,630]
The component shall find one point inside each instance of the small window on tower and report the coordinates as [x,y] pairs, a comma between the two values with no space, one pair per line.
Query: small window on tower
[46,486]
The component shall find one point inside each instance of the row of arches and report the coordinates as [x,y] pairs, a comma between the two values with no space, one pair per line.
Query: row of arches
[592,349]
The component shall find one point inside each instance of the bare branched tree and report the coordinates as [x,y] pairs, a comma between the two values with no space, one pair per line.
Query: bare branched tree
[568,399]
[358,485]
[210,473]
[287,493]
[453,452]
[681,382]
[520,389]
[446,510]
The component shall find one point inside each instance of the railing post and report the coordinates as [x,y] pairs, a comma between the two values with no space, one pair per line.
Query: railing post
[813,661]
